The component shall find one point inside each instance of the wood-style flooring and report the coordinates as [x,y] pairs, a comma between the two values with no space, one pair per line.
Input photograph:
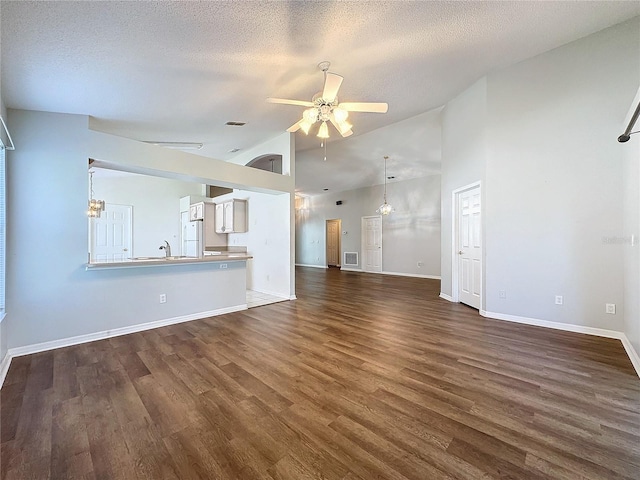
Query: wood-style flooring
[363,377]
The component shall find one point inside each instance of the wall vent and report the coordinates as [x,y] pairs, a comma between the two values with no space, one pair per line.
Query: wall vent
[350,259]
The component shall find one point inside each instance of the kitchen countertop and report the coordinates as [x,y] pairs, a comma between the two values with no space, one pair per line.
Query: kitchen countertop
[166,261]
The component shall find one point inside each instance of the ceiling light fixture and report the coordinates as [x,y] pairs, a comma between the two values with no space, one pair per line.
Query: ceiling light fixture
[324,107]
[385,208]
[96,207]
[177,145]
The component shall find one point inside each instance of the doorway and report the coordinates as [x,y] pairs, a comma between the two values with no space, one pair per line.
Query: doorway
[372,244]
[111,234]
[467,246]
[333,242]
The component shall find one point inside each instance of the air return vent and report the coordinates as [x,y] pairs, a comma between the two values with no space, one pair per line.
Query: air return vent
[350,259]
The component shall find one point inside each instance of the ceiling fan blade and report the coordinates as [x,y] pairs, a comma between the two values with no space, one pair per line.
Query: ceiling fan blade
[332,119]
[365,107]
[332,84]
[295,127]
[285,101]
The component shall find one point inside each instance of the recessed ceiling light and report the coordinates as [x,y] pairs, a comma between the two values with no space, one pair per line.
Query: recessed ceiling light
[234,150]
[236,124]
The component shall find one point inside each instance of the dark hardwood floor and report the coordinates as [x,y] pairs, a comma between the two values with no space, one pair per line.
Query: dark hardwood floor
[363,377]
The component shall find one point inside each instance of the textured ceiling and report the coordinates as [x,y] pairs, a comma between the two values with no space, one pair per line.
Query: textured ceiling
[177,71]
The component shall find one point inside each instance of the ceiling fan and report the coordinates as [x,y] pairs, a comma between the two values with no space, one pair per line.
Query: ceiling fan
[324,107]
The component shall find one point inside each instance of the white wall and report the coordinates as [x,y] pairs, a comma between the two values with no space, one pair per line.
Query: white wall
[3,324]
[552,188]
[267,239]
[156,208]
[50,296]
[554,179]
[285,145]
[631,227]
[463,159]
[410,234]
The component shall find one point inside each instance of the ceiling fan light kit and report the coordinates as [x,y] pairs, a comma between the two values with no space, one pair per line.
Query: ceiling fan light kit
[324,107]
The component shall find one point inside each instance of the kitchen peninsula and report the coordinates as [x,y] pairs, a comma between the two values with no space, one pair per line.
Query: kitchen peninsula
[219,259]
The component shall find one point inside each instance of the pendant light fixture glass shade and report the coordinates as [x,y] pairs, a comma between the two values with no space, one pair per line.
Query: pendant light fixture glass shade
[310,115]
[385,208]
[323,131]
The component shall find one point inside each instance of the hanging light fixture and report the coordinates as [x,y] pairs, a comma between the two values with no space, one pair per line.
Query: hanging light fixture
[96,207]
[385,208]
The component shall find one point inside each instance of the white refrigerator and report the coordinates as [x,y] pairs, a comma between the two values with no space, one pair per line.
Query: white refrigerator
[191,236]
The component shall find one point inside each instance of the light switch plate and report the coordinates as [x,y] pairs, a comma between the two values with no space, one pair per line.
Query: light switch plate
[610,308]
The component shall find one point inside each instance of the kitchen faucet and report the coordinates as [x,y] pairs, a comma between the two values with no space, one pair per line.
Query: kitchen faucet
[166,248]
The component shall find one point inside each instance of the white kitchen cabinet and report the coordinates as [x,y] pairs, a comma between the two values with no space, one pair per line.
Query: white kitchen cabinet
[231,216]
[198,229]
[196,211]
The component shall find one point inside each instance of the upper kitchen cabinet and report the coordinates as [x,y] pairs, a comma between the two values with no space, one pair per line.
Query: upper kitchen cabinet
[231,216]
[196,211]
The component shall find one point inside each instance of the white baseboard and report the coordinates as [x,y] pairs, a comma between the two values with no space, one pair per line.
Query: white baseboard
[293,297]
[446,297]
[398,274]
[91,337]
[415,275]
[4,367]
[273,294]
[568,327]
[631,352]
[312,266]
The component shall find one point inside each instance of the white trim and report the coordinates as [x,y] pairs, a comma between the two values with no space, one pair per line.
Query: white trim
[312,266]
[273,294]
[293,297]
[4,367]
[91,337]
[416,275]
[353,270]
[2,315]
[446,297]
[631,352]
[598,332]
[454,240]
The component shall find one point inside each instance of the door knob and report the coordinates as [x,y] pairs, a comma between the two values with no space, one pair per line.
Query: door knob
[460,252]
[125,249]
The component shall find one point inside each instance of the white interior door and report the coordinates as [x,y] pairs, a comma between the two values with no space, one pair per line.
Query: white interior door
[111,234]
[469,247]
[372,244]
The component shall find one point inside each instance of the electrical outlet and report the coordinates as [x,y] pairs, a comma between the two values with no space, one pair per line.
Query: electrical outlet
[610,308]
[420,264]
[502,294]
[163,298]
[559,300]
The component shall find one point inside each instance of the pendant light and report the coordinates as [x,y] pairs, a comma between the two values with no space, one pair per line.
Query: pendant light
[385,208]
[96,207]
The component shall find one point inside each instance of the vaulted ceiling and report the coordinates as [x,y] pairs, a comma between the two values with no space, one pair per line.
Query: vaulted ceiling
[179,70]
